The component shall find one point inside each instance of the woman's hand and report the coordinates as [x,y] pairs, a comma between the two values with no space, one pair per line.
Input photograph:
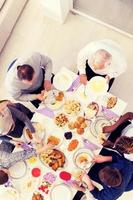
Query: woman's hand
[109,129]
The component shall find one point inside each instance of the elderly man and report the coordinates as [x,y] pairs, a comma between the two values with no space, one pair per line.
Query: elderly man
[28,77]
[101,58]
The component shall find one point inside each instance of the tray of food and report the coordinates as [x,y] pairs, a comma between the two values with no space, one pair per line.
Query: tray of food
[111,102]
[55,138]
[79,124]
[61,120]
[54,100]
[37,196]
[73,144]
[53,159]
[96,126]
[39,132]
[91,110]
[83,158]
[72,107]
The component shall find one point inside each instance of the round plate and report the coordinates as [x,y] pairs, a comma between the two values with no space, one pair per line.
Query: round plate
[91,110]
[39,131]
[18,170]
[53,159]
[97,86]
[97,125]
[57,135]
[82,158]
[59,191]
[30,184]
[51,102]
[8,193]
[62,81]
[72,107]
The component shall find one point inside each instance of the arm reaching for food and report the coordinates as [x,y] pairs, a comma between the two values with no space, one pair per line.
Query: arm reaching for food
[127,116]
[101,159]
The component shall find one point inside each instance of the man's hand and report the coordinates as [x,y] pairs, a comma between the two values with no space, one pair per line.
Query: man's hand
[41,96]
[83,79]
[101,159]
[47,85]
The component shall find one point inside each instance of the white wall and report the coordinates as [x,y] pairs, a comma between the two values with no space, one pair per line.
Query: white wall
[8,17]
[57,9]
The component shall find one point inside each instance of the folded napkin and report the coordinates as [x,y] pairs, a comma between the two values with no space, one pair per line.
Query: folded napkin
[47,112]
[89,145]
[75,84]
[108,113]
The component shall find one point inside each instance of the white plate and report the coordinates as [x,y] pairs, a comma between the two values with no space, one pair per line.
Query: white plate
[105,100]
[85,154]
[97,86]
[97,125]
[60,191]
[30,184]
[51,102]
[56,133]
[62,81]
[39,131]
[73,113]
[9,193]
[18,170]
[90,113]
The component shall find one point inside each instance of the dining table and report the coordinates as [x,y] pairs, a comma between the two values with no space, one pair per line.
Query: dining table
[48,180]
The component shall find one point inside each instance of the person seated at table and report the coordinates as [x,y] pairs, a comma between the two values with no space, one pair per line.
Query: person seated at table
[13,118]
[28,77]
[121,138]
[8,159]
[101,58]
[115,176]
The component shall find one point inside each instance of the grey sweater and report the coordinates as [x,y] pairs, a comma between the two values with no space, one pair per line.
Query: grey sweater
[17,88]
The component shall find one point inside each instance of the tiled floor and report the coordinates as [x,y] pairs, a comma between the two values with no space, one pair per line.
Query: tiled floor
[35,32]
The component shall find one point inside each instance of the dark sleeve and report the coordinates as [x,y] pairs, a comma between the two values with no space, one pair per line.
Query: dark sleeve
[24,109]
[5,138]
[117,158]
[22,117]
[107,193]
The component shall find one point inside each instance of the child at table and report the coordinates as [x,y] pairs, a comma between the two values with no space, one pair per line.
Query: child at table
[8,159]
[13,118]
[113,172]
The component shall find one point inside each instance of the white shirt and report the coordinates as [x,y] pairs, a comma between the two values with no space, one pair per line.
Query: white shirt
[118,63]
